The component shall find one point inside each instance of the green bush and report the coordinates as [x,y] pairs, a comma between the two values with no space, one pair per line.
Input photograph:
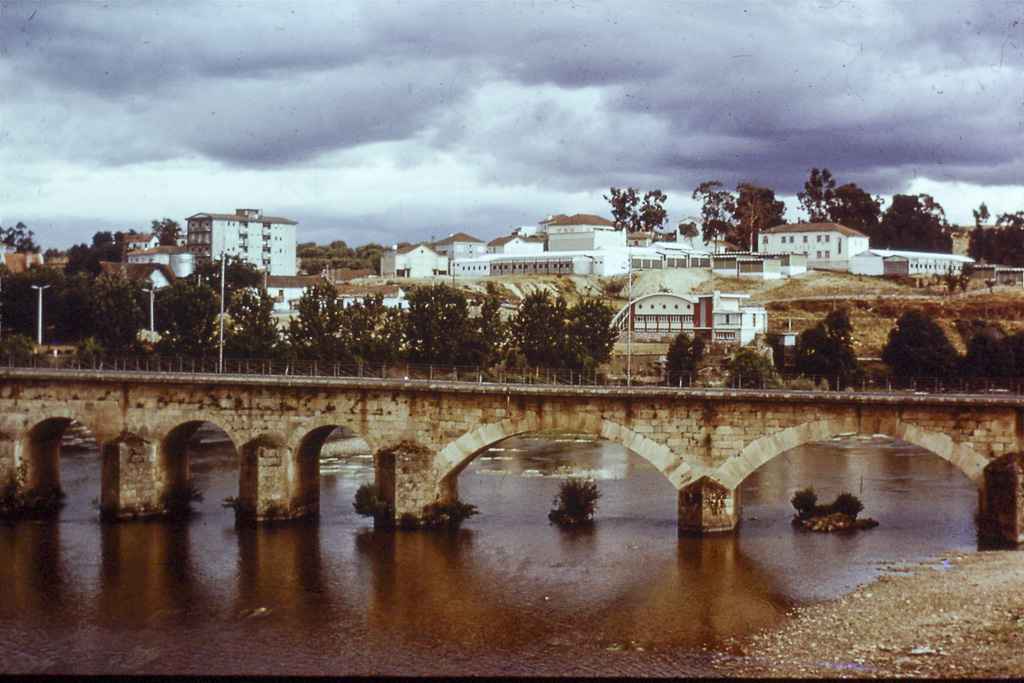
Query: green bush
[447,517]
[848,504]
[370,503]
[575,502]
[805,501]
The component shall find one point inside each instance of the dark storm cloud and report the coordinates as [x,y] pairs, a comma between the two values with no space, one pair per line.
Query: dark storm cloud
[571,96]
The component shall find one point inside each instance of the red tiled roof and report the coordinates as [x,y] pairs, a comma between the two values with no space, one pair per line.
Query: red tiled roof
[136,271]
[578,219]
[293,280]
[458,237]
[814,227]
[411,247]
[502,240]
[159,250]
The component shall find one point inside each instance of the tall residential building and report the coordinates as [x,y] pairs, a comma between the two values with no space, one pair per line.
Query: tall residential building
[267,242]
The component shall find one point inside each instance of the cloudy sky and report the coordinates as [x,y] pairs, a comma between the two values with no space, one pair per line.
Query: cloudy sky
[389,121]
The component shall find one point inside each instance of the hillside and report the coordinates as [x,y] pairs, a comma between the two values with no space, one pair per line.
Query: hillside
[793,303]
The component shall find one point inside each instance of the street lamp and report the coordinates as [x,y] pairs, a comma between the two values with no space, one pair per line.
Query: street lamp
[39,332]
[152,331]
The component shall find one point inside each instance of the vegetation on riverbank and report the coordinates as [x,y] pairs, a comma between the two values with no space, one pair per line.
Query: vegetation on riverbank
[839,515]
[575,503]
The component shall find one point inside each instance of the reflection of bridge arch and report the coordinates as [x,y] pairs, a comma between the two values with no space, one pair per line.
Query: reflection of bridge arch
[455,456]
[760,451]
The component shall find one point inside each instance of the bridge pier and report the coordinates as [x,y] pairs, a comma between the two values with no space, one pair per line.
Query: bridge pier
[273,485]
[705,507]
[1001,500]
[406,476]
[8,463]
[132,481]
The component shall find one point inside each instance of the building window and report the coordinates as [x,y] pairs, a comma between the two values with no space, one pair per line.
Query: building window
[805,239]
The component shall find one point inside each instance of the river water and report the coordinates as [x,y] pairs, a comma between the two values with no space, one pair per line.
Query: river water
[509,594]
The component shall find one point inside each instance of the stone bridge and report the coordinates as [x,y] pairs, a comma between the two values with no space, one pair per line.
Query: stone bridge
[705,442]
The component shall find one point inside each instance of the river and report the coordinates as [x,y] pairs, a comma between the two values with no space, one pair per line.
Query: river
[509,594]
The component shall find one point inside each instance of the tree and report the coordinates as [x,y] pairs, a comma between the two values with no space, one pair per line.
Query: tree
[818,197]
[756,209]
[19,237]
[167,232]
[917,347]
[688,230]
[827,348]
[914,223]
[253,332]
[186,318]
[1003,243]
[116,314]
[313,334]
[631,215]
[489,330]
[847,204]
[105,247]
[439,326]
[537,330]
[684,354]
[589,335]
[988,357]
[371,332]
[718,207]
[750,369]
[238,275]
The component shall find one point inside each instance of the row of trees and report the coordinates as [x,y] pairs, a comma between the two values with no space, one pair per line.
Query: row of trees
[104,315]
[1003,243]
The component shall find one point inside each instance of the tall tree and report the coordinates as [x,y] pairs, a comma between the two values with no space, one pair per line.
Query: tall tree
[253,332]
[818,197]
[439,326]
[105,247]
[827,348]
[718,208]
[757,209]
[167,232]
[116,314]
[855,208]
[238,275]
[19,237]
[313,334]
[914,223]
[632,215]
[186,318]
[537,331]
[372,333]
[1003,243]
[917,347]
[589,335]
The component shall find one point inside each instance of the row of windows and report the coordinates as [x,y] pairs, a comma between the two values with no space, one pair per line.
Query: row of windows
[791,238]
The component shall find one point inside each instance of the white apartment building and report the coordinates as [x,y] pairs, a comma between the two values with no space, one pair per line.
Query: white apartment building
[267,242]
[460,245]
[826,245]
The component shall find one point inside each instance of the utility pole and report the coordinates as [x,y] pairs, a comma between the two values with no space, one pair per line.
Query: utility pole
[629,320]
[220,358]
[39,332]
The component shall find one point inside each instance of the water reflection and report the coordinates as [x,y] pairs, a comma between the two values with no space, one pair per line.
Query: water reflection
[509,594]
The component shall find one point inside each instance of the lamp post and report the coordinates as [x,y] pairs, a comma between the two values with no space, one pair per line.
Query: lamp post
[39,329]
[152,330]
[629,319]
[220,358]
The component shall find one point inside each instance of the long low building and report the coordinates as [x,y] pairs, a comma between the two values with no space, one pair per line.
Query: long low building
[895,262]
[596,262]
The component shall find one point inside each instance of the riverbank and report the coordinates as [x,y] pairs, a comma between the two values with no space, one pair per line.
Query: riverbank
[961,616]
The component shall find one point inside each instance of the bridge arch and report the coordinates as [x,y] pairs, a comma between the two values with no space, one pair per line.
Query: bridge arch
[451,460]
[758,452]
[42,450]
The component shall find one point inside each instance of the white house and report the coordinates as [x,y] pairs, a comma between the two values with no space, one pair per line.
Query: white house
[588,240]
[413,261]
[267,242]
[515,244]
[152,275]
[286,290]
[178,259]
[895,262]
[715,317]
[826,245]
[460,245]
[134,241]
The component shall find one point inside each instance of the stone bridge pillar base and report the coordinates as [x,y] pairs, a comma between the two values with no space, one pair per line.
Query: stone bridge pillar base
[132,480]
[705,507]
[406,477]
[8,468]
[267,490]
[1001,500]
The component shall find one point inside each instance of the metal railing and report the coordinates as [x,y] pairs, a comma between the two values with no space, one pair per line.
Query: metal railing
[526,376]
